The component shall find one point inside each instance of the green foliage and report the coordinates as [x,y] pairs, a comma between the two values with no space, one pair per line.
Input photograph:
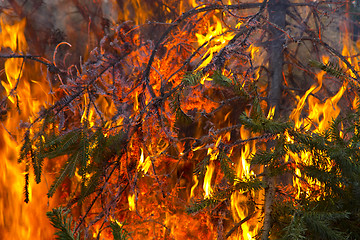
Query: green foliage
[199,205]
[222,194]
[221,80]
[58,218]
[226,167]
[201,166]
[257,123]
[306,222]
[181,118]
[118,231]
[330,68]
[296,229]
[192,78]
[319,224]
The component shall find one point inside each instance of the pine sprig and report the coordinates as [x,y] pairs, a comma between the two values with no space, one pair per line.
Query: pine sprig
[260,124]
[68,170]
[118,231]
[296,229]
[226,167]
[319,223]
[192,78]
[221,80]
[200,168]
[199,205]
[26,185]
[90,186]
[58,218]
[181,118]
[330,68]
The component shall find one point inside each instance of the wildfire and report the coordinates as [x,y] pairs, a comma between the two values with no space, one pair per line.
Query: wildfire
[217,36]
[131,199]
[144,165]
[170,126]
[26,97]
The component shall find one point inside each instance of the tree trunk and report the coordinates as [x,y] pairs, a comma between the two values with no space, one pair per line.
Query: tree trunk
[277,15]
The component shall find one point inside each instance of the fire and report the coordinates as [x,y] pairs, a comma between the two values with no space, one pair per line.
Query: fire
[318,120]
[131,199]
[194,186]
[239,200]
[144,165]
[212,153]
[147,193]
[19,220]
[12,36]
[207,180]
[217,36]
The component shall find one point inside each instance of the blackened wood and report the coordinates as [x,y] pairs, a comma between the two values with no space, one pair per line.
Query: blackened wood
[277,16]
[277,13]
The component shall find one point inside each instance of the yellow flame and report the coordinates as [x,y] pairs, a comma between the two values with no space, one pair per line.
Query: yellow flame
[295,114]
[271,113]
[213,153]
[87,113]
[243,167]
[131,199]
[17,219]
[136,102]
[207,180]
[239,199]
[194,186]
[216,36]
[355,103]
[144,165]
[12,36]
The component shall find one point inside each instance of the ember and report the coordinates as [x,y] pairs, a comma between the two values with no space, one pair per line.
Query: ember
[180,120]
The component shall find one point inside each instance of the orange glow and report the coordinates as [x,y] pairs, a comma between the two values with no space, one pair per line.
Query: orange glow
[144,165]
[194,186]
[239,199]
[17,219]
[209,126]
[271,113]
[12,36]
[207,180]
[131,199]
[217,36]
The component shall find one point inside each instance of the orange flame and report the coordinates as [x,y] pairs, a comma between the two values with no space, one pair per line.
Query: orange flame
[207,180]
[216,36]
[17,219]
[144,165]
[131,199]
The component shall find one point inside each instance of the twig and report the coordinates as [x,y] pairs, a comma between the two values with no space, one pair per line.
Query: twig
[51,67]
[97,196]
[236,226]
[184,16]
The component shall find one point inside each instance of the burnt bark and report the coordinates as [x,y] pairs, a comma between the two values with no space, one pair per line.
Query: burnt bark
[277,14]
[277,17]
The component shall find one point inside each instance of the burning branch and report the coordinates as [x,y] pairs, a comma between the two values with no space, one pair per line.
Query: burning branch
[170,135]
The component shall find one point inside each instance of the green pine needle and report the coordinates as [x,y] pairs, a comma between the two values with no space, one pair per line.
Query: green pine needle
[58,218]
